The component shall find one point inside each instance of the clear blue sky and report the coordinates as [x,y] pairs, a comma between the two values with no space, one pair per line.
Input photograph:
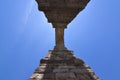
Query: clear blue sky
[26,37]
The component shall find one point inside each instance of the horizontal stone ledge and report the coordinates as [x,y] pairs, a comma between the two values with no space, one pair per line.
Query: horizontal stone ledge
[77,61]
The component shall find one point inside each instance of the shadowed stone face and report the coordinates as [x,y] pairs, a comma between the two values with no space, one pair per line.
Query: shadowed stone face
[60,13]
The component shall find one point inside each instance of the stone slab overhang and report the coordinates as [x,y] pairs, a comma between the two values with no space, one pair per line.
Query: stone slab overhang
[61,11]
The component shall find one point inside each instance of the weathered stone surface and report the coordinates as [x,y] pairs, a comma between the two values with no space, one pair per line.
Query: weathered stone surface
[64,76]
[70,68]
[36,76]
[60,13]
[60,63]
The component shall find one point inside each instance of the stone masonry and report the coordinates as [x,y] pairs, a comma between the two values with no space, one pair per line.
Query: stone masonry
[61,63]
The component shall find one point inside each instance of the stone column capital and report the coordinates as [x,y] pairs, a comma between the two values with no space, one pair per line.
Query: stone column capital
[60,25]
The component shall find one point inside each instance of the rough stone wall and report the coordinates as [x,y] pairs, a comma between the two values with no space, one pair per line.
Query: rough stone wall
[63,65]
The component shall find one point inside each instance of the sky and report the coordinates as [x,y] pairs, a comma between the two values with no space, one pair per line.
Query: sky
[26,37]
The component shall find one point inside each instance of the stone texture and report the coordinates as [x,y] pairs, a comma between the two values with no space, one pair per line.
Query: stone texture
[60,63]
[63,65]
[60,13]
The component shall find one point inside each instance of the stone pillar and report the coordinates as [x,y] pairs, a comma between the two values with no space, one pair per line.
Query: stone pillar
[59,36]
[60,63]
[60,13]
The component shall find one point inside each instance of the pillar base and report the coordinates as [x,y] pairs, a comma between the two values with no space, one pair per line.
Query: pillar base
[59,48]
[63,65]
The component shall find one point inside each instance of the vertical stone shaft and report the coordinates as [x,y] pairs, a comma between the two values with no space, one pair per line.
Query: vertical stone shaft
[59,36]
